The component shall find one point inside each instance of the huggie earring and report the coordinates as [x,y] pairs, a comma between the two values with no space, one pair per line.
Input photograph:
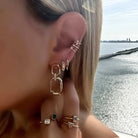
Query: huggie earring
[55,79]
[75,46]
[63,66]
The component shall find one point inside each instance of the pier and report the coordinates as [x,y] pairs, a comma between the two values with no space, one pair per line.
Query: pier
[124,52]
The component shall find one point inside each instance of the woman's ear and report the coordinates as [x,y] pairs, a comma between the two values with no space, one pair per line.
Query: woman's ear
[69,28]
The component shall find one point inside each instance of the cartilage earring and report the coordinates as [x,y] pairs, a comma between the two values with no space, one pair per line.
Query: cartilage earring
[75,46]
[63,66]
[56,71]
[67,66]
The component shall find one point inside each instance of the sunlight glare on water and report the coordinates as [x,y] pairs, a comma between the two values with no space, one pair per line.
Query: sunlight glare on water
[115,97]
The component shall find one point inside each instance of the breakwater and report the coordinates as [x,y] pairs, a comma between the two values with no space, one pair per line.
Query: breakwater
[124,52]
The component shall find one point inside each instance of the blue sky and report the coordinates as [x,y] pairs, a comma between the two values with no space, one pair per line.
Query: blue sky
[120,19]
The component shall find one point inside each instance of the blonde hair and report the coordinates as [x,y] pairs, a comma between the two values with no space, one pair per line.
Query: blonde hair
[83,66]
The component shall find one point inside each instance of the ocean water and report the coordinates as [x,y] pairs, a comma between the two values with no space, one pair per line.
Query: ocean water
[115,96]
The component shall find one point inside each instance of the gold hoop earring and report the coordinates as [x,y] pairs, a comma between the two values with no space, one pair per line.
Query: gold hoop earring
[56,71]
[75,46]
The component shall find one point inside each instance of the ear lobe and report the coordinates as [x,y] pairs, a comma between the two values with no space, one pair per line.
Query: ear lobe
[69,28]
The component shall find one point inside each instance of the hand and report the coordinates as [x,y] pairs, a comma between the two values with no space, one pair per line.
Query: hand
[67,104]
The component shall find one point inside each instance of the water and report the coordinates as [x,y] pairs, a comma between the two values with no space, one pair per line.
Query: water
[115,97]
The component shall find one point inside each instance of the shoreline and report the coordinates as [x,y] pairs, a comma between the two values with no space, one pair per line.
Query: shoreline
[124,52]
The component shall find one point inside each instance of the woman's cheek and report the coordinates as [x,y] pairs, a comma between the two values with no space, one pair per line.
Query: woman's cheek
[23,56]
[17,66]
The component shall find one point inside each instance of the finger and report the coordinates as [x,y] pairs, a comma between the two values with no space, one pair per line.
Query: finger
[71,107]
[53,104]
[51,110]
[79,134]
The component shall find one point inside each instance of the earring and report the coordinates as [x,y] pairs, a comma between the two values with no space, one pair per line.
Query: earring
[67,66]
[63,66]
[56,71]
[75,46]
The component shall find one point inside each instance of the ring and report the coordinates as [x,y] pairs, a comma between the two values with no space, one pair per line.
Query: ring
[73,118]
[70,124]
[47,121]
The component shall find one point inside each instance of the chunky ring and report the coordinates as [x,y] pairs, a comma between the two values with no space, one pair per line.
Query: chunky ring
[73,118]
[71,125]
[48,120]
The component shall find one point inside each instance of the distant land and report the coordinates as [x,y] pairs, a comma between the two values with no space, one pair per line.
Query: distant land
[119,41]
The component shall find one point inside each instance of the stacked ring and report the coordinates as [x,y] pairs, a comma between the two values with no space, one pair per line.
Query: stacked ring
[47,121]
[70,124]
[70,121]
[74,119]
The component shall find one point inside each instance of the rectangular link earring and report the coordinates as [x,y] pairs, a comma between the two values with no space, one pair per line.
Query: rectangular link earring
[56,71]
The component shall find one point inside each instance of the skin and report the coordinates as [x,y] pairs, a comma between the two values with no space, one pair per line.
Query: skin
[28,49]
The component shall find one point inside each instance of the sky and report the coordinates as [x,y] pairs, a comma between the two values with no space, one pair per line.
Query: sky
[120,20]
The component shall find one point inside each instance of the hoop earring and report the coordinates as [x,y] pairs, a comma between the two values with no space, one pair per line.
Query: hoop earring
[56,71]
[75,46]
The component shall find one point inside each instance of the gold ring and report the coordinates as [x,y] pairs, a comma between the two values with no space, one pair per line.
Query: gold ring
[47,121]
[73,118]
[71,125]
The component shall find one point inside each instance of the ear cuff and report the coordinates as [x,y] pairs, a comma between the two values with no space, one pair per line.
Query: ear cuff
[75,46]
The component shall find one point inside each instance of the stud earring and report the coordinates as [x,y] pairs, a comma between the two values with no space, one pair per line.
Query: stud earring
[63,66]
[75,46]
[67,66]
[56,71]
